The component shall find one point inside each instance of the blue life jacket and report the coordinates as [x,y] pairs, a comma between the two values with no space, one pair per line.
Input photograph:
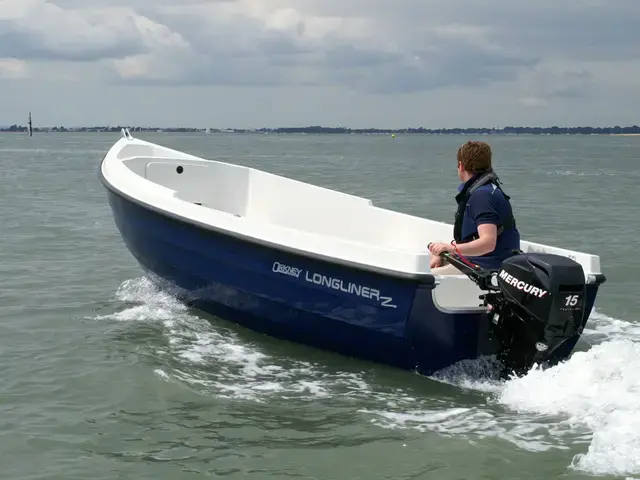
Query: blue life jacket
[492,203]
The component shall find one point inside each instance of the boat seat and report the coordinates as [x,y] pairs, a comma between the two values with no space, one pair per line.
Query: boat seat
[457,293]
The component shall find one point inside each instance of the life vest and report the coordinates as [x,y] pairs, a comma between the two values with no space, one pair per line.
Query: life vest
[489,177]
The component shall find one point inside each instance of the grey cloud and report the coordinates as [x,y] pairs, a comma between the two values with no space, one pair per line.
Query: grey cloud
[129,3]
[192,69]
[545,83]
[587,29]
[448,62]
[47,32]
[409,46]
[279,45]
[348,56]
[594,30]
[42,30]
[584,74]
[35,46]
[419,62]
[567,92]
[426,71]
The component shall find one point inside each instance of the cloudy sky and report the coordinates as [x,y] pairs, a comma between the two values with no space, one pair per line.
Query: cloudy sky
[384,63]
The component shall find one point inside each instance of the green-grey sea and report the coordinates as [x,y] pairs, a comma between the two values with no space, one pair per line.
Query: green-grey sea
[104,377]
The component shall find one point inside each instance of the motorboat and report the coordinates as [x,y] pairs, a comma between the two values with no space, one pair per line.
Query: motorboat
[331,270]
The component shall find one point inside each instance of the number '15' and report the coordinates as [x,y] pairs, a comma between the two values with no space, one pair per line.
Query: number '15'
[571,300]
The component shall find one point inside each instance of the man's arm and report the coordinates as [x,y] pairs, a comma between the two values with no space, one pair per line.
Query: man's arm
[488,234]
[486,217]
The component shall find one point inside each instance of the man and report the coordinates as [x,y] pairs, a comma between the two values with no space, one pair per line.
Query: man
[485,231]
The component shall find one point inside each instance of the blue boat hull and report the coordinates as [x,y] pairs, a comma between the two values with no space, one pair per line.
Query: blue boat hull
[354,312]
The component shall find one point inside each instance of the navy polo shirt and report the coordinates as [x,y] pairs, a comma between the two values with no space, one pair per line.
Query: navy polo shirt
[488,205]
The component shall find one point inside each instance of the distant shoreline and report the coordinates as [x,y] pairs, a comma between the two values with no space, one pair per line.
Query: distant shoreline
[555,130]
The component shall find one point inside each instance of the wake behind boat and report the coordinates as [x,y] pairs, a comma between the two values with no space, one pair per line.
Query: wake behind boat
[333,271]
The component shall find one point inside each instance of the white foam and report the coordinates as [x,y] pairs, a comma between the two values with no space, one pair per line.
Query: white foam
[582,174]
[241,369]
[603,327]
[590,403]
[594,396]
[592,399]
[599,389]
[150,304]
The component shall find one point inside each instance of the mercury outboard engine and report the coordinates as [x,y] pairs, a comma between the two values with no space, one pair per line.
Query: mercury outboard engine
[536,303]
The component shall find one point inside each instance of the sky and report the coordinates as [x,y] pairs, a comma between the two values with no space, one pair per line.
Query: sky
[353,63]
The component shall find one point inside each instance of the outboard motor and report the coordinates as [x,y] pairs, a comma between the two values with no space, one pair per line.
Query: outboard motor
[536,303]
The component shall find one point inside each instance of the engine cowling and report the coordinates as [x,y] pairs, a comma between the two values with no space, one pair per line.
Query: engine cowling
[539,306]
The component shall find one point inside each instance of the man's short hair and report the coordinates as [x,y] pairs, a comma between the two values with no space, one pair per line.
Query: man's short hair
[475,156]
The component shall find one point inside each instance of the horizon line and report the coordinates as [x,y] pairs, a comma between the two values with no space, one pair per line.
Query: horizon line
[327,129]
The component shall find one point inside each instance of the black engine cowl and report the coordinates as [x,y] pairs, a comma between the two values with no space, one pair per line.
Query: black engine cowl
[540,305]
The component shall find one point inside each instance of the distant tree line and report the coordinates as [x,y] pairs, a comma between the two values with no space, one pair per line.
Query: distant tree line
[555,130]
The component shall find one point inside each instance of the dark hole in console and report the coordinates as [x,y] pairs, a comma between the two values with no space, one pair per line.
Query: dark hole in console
[180,169]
